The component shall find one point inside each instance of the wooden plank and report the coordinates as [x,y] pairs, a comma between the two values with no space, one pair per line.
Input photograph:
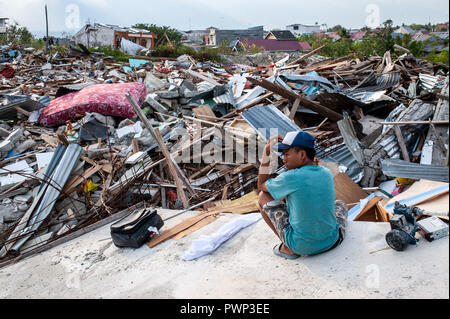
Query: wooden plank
[172,164]
[71,185]
[51,140]
[225,192]
[292,96]
[195,227]
[294,109]
[246,204]
[178,228]
[134,144]
[307,55]
[172,170]
[347,190]
[201,76]
[401,143]
[204,110]
[238,208]
[371,204]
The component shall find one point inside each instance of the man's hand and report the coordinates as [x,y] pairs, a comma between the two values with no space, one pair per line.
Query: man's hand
[269,146]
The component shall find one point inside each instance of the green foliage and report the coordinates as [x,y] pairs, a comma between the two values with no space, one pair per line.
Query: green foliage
[371,44]
[173,35]
[438,58]
[17,35]
[250,48]
[38,44]
[203,53]
[416,47]
[60,49]
[332,49]
[109,51]
[336,28]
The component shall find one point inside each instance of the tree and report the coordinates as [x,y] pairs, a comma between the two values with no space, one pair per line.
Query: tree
[416,47]
[173,35]
[16,34]
[336,28]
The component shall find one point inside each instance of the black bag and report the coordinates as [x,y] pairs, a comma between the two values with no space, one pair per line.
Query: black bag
[132,230]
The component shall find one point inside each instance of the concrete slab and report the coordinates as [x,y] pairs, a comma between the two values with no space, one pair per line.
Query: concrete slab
[243,267]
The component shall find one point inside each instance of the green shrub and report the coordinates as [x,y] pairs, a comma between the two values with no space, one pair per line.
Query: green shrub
[442,57]
[203,54]
[117,55]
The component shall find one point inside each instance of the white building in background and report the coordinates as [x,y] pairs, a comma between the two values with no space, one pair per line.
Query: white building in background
[3,25]
[300,29]
[100,34]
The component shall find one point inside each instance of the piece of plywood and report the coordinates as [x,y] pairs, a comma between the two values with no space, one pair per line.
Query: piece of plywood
[185,224]
[369,211]
[347,190]
[206,221]
[243,205]
[204,111]
[439,203]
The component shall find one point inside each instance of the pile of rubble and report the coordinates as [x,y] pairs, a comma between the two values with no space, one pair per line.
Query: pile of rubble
[85,138]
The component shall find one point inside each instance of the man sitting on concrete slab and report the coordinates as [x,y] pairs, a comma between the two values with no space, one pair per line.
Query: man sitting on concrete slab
[299,204]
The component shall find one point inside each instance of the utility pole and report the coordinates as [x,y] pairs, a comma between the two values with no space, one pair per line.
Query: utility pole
[46,24]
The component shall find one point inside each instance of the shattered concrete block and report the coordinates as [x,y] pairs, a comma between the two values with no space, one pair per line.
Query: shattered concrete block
[25,146]
[6,146]
[174,94]
[97,152]
[125,122]
[23,207]
[4,132]
[25,198]
[10,213]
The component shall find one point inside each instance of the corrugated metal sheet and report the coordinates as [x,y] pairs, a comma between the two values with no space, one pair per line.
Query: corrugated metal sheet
[264,118]
[51,192]
[269,121]
[26,103]
[342,155]
[431,83]
[376,83]
[400,168]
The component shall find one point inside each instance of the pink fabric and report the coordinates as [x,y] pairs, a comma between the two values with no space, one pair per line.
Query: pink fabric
[106,99]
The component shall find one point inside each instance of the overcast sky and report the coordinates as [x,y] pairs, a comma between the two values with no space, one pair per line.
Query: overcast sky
[70,15]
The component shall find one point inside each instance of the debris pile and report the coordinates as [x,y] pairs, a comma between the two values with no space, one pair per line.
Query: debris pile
[85,139]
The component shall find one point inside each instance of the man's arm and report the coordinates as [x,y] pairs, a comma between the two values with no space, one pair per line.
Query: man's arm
[262,178]
[264,169]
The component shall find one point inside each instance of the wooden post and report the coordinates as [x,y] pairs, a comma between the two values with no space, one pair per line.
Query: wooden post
[46,25]
[292,96]
[401,143]
[307,55]
[438,138]
[158,138]
[172,170]
[135,145]
[294,109]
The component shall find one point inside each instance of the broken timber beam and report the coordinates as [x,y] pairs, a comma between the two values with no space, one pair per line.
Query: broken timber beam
[294,109]
[401,143]
[307,55]
[172,170]
[158,138]
[314,106]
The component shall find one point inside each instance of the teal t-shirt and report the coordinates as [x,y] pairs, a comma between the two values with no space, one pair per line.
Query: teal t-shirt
[309,193]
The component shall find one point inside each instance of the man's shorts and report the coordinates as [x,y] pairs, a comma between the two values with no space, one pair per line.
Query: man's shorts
[279,216]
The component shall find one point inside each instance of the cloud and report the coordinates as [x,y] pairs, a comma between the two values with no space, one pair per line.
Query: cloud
[229,14]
